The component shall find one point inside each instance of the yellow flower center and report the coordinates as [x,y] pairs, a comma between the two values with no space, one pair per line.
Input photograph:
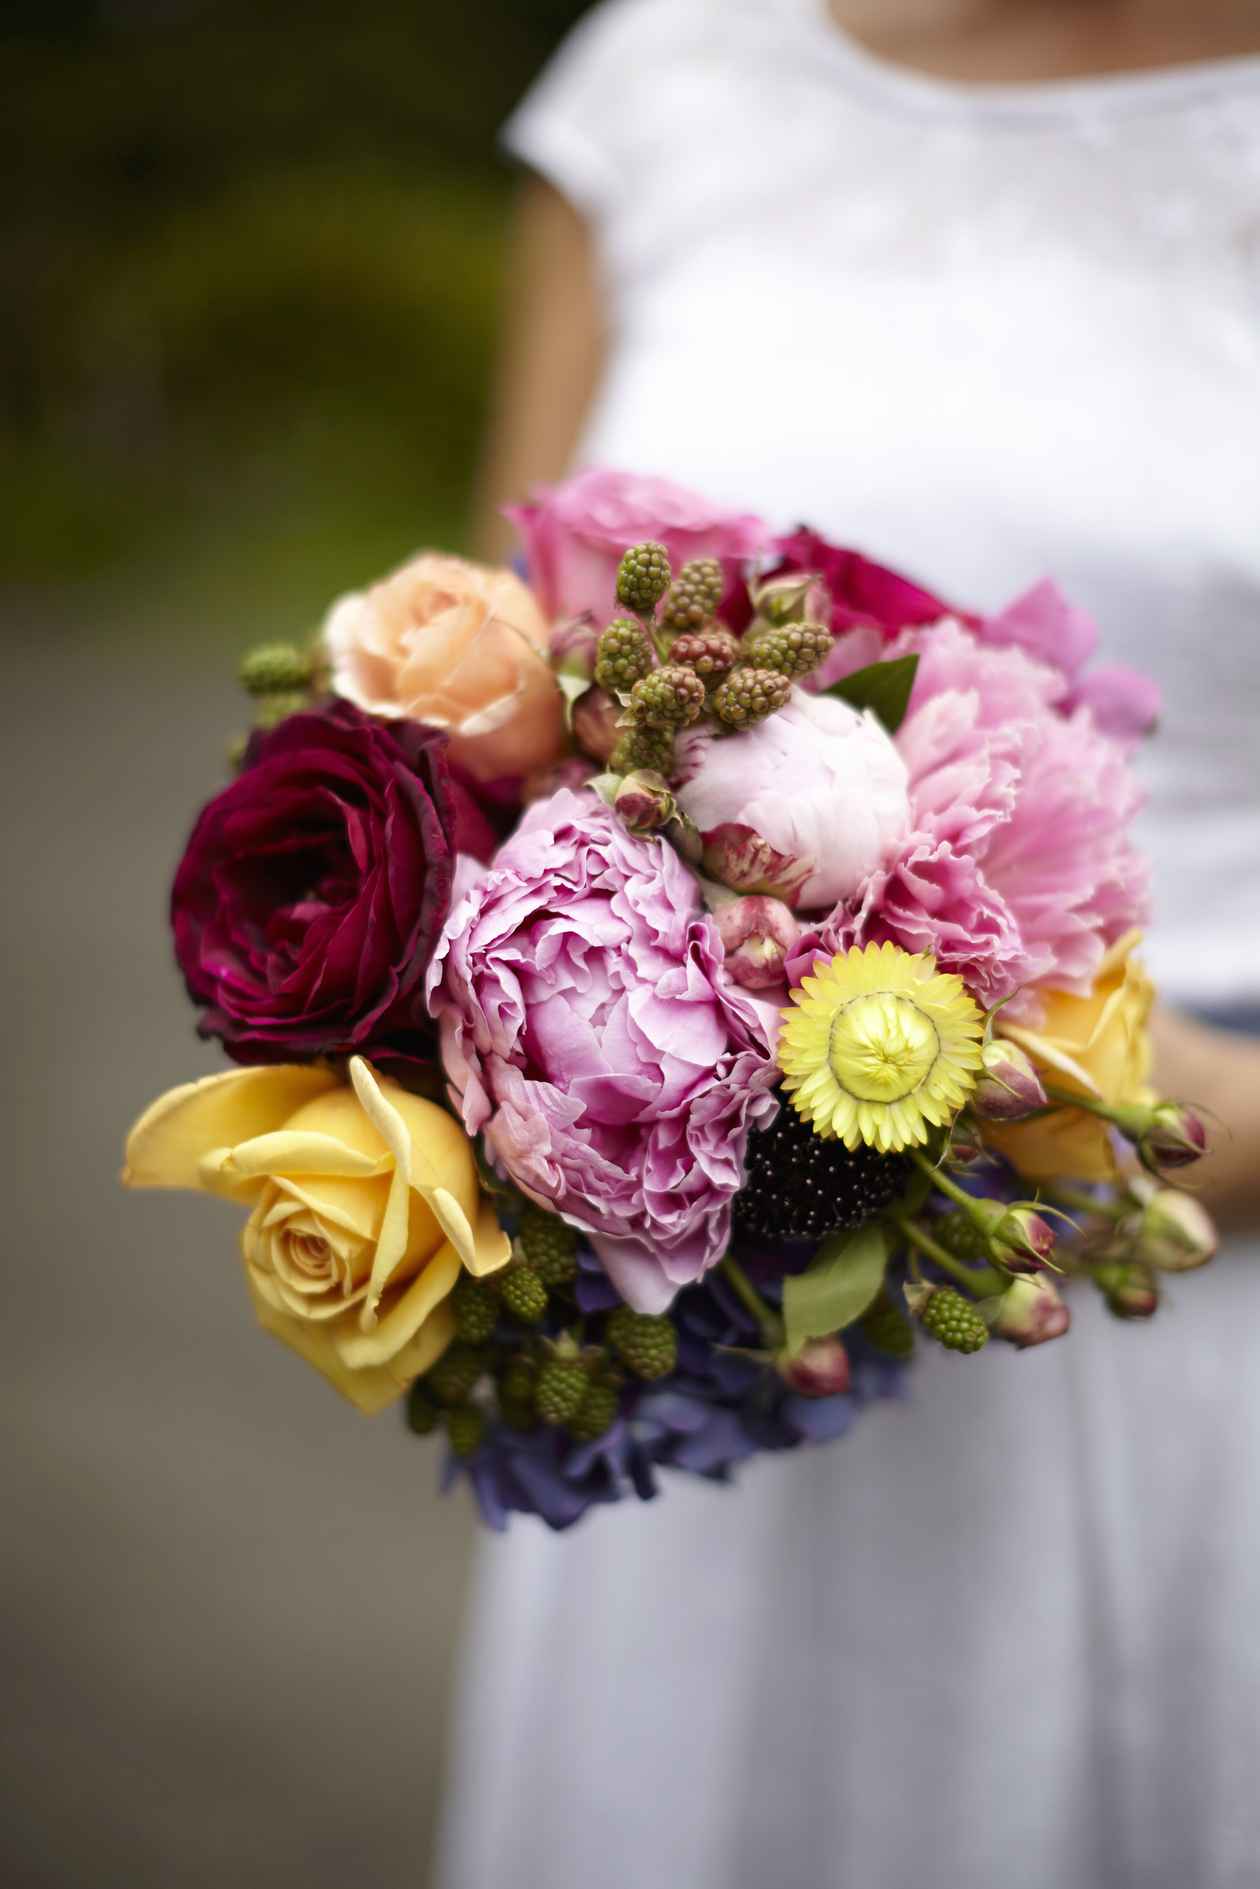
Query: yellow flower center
[882,1047]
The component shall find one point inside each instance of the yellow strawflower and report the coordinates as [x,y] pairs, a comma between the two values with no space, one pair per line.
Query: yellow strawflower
[880,1047]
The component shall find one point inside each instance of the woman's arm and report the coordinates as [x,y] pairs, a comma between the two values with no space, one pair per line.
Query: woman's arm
[550,360]
[1220,1073]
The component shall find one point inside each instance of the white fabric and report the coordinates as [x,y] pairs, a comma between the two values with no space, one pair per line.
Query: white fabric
[1011,1631]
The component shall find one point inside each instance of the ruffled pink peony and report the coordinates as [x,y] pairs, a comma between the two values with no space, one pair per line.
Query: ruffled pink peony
[575,535]
[590,1033]
[1018,869]
[804,806]
[1049,627]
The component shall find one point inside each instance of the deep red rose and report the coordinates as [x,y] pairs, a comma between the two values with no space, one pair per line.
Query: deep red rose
[863,592]
[313,889]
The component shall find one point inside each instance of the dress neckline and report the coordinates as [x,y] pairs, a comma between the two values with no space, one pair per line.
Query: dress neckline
[1092,94]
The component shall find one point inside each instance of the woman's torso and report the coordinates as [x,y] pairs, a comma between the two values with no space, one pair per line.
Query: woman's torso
[984,333]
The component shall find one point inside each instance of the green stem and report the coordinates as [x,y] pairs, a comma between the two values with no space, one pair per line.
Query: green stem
[981,1281]
[957,1194]
[769,1325]
[1085,1203]
[1063,1098]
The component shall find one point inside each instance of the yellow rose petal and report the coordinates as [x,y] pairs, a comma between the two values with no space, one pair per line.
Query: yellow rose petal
[166,1146]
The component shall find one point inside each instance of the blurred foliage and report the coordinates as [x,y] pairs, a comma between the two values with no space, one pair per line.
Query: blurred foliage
[250,284]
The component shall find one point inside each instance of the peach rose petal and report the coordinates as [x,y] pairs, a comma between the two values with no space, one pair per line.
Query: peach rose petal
[167,1145]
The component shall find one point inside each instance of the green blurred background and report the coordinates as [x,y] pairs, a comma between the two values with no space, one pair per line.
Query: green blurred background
[251,286]
[250,290]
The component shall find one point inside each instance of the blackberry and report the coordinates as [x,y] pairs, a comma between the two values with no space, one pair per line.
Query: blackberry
[524,1295]
[643,577]
[953,1321]
[887,1329]
[647,748]
[693,597]
[275,669]
[648,1345]
[455,1374]
[624,656]
[800,1187]
[271,710]
[549,1245]
[476,1308]
[562,1386]
[794,650]
[711,653]
[749,695]
[669,698]
[423,1415]
[595,1415]
[465,1428]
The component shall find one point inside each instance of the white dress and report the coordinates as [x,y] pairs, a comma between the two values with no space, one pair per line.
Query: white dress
[1008,1632]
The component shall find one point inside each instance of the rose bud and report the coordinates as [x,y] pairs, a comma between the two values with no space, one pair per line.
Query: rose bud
[965,1146]
[573,645]
[595,723]
[1174,1137]
[1129,1289]
[819,1369]
[757,934]
[1021,1239]
[1009,1087]
[1175,1233]
[644,801]
[1030,1312]
[796,597]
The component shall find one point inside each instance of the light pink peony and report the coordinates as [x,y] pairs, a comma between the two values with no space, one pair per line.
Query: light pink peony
[805,805]
[1017,869]
[590,1033]
[1049,627]
[575,535]
[458,647]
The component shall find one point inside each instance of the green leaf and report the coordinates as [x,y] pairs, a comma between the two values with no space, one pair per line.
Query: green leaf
[843,1278]
[883,686]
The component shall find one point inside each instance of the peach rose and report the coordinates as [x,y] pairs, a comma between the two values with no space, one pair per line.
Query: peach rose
[458,647]
[1096,1046]
[365,1207]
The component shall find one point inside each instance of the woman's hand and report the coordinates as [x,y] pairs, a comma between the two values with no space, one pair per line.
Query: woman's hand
[1218,1072]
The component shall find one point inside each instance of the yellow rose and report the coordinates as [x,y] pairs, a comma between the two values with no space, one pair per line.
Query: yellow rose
[459,647]
[364,1208]
[1096,1046]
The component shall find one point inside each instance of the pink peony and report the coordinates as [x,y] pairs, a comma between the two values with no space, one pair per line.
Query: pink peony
[1017,869]
[1049,627]
[575,535]
[590,1033]
[805,805]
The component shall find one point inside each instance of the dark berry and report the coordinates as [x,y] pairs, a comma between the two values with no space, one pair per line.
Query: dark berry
[800,1187]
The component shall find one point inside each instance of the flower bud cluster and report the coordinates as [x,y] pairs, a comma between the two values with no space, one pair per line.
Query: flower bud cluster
[672,664]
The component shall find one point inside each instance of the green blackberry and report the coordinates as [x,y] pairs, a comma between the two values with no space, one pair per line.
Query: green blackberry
[476,1307]
[800,1187]
[275,669]
[953,1321]
[887,1329]
[670,697]
[794,650]
[465,1428]
[624,656]
[595,1415]
[562,1386]
[642,747]
[693,597]
[456,1372]
[423,1415]
[524,1295]
[643,577]
[648,1345]
[750,695]
[549,1246]
[271,710]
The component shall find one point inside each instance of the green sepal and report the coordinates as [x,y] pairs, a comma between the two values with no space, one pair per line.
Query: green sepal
[882,686]
[572,688]
[842,1281]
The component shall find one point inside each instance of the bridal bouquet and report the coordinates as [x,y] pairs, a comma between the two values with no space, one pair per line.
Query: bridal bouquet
[666,988]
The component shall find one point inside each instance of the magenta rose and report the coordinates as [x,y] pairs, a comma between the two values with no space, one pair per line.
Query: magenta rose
[314,887]
[590,1033]
[863,594]
[575,534]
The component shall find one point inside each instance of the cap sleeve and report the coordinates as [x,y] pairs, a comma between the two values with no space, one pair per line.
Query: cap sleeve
[575,123]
